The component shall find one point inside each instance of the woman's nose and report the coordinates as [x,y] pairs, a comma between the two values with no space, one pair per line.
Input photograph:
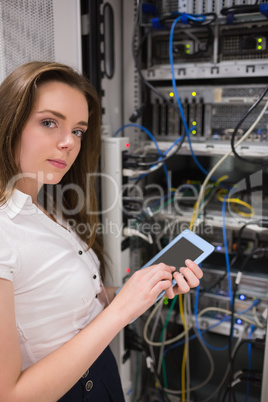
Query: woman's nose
[66,141]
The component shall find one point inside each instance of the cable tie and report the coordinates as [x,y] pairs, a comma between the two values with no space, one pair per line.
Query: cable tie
[238,374]
[230,18]
[149,212]
[128,232]
[238,278]
[156,23]
[264,9]
[237,381]
[133,173]
[184,18]
[150,363]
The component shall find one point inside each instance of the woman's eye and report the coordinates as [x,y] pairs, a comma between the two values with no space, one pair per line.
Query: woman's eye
[49,123]
[78,133]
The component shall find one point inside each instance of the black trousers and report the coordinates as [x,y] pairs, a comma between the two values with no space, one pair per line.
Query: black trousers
[101,383]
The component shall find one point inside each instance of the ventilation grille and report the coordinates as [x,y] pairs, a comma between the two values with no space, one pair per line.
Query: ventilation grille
[199,6]
[227,116]
[26,33]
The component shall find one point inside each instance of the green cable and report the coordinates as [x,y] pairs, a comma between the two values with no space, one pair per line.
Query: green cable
[137,375]
[161,338]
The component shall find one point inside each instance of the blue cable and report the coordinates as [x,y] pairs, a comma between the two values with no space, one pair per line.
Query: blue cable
[227,318]
[197,325]
[174,143]
[156,144]
[228,268]
[252,328]
[141,128]
[173,76]
[193,17]
[151,137]
[187,131]
[195,336]
[255,302]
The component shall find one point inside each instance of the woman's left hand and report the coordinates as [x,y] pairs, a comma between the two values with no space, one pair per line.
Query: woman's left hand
[188,277]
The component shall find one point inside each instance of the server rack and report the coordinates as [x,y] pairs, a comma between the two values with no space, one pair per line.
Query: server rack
[220,77]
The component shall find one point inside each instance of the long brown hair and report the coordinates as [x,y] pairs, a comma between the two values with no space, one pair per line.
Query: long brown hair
[17,97]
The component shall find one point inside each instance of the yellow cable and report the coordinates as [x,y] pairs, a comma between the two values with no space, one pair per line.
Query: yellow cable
[193,218]
[184,352]
[194,210]
[221,179]
[180,296]
[237,201]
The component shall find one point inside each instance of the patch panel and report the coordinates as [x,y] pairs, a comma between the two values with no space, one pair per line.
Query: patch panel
[215,294]
[211,112]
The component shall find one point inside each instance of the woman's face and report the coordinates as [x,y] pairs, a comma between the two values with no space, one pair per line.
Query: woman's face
[51,138]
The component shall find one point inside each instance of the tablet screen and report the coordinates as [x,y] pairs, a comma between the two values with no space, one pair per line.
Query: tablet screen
[178,253]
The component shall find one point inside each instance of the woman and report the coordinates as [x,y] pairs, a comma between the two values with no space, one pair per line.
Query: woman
[54,326]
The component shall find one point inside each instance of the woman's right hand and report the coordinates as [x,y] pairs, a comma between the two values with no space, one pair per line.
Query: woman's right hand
[141,290]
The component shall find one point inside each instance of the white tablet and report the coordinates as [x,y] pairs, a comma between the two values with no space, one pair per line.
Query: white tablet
[187,245]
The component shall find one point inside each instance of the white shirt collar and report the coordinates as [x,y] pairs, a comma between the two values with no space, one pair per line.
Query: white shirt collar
[19,203]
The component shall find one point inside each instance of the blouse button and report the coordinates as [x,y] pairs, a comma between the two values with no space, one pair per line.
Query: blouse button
[89,385]
[80,252]
[94,276]
[85,374]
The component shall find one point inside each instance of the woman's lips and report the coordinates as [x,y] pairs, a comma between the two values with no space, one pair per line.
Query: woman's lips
[57,163]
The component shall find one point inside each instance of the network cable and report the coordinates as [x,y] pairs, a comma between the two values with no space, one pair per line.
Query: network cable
[249,360]
[212,171]
[179,392]
[210,176]
[228,387]
[227,314]
[187,131]
[185,18]
[193,18]
[245,9]
[252,161]
[156,144]
[182,114]
[236,284]
[197,334]
[138,67]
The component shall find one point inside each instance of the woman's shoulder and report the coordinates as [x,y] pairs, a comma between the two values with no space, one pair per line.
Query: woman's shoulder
[9,257]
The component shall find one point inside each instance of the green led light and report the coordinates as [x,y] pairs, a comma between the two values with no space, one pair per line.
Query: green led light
[259,47]
[194,123]
[260,40]
[194,132]
[188,46]
[165,301]
[193,93]
[187,51]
